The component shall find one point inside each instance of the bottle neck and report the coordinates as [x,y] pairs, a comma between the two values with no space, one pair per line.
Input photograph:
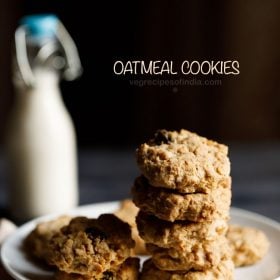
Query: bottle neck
[44,78]
[45,91]
[43,97]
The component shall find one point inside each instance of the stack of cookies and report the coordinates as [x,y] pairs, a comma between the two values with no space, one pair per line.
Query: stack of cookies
[184,198]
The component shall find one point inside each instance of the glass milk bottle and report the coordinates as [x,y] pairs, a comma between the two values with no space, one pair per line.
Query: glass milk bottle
[41,142]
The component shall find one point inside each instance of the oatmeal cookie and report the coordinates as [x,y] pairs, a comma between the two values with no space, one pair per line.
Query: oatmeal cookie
[37,241]
[129,270]
[183,161]
[175,235]
[196,255]
[171,206]
[91,246]
[223,271]
[128,212]
[248,245]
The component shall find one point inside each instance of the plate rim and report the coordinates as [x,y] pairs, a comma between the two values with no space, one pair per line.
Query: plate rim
[256,216]
[46,217]
[235,210]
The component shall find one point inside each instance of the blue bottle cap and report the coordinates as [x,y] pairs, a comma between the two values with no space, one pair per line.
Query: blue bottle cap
[41,25]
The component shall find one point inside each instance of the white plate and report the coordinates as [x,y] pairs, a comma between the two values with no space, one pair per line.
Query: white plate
[21,268]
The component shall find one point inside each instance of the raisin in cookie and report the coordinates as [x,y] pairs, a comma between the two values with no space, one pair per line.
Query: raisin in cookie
[129,270]
[91,246]
[166,234]
[37,241]
[183,161]
[128,212]
[223,271]
[248,245]
[194,255]
[171,206]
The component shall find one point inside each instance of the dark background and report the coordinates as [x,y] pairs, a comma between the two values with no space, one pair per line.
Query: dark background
[107,110]
[112,117]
